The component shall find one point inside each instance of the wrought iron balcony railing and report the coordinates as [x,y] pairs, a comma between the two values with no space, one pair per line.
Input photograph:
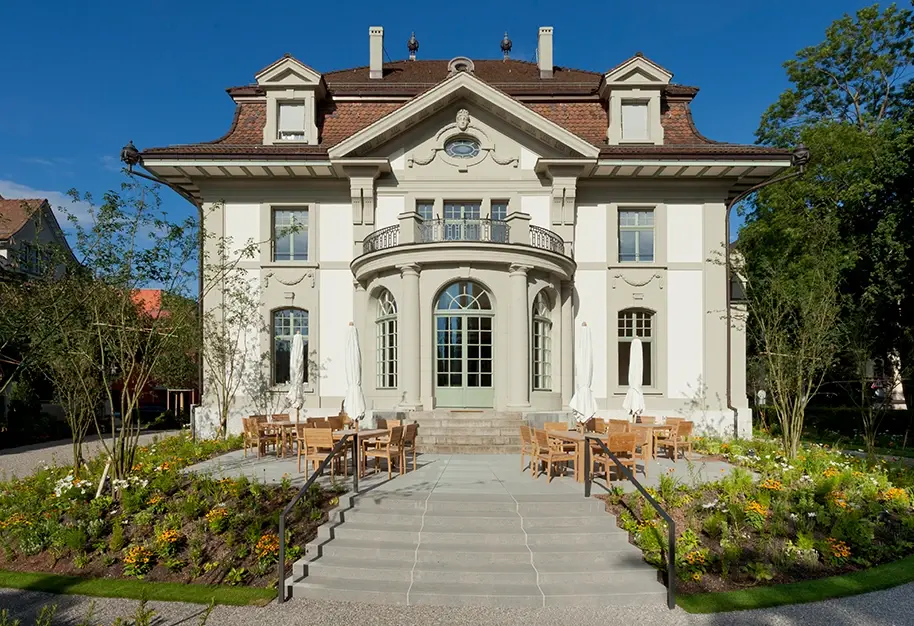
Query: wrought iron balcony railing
[447,229]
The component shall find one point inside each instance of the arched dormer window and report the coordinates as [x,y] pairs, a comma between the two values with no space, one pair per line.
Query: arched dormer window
[386,327]
[542,343]
[287,322]
[636,323]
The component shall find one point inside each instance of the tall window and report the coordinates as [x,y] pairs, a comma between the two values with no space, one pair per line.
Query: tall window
[636,323]
[386,324]
[425,209]
[287,322]
[636,235]
[290,234]
[499,209]
[542,344]
[291,126]
[635,121]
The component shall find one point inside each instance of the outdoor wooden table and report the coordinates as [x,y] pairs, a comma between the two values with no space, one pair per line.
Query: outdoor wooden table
[289,427]
[579,440]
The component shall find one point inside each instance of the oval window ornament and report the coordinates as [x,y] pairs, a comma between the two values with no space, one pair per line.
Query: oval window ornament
[462,148]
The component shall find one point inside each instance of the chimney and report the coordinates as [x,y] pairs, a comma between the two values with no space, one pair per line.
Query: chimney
[544,51]
[376,52]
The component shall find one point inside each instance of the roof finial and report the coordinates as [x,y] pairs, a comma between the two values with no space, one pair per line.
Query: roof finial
[413,46]
[506,46]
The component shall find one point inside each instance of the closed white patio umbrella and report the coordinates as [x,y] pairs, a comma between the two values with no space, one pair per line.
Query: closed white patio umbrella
[296,395]
[582,402]
[634,397]
[354,404]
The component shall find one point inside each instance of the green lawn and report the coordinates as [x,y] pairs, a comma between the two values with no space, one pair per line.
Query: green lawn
[874,579]
[136,589]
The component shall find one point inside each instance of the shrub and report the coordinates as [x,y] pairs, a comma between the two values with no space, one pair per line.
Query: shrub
[138,560]
[218,519]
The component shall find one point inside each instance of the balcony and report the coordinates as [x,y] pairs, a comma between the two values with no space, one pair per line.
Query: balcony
[465,230]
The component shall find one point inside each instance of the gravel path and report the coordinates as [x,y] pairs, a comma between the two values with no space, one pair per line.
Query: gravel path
[26,459]
[882,608]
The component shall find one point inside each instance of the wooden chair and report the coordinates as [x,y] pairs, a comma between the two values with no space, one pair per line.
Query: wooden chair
[646,419]
[549,451]
[622,445]
[336,422]
[674,420]
[679,436]
[598,425]
[259,436]
[312,422]
[559,426]
[410,433]
[316,446]
[618,426]
[281,417]
[391,449]
[322,423]
[527,447]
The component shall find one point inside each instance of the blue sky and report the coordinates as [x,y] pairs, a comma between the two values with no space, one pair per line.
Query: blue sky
[82,78]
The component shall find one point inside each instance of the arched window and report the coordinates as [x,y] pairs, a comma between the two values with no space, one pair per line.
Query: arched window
[542,343]
[287,322]
[386,325]
[636,323]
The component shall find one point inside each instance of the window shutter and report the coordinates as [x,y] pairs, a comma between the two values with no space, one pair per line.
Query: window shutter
[634,121]
[292,117]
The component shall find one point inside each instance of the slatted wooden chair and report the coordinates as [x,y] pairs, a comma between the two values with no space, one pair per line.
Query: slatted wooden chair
[410,432]
[527,447]
[678,437]
[623,446]
[336,422]
[550,451]
[617,426]
[258,435]
[281,417]
[646,419]
[391,450]
[561,427]
[598,425]
[318,445]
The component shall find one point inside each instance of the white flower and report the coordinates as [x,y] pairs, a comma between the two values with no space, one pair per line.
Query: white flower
[811,514]
[710,505]
[793,516]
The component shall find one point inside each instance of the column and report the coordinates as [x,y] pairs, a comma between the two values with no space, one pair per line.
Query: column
[408,338]
[558,338]
[518,339]
[567,344]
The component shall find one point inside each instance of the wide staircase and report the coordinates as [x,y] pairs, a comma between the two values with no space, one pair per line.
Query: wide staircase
[467,431]
[474,531]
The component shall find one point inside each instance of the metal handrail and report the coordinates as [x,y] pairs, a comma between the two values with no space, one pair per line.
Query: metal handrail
[314,476]
[381,239]
[480,229]
[671,525]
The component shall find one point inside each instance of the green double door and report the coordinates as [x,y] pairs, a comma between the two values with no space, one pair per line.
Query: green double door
[464,350]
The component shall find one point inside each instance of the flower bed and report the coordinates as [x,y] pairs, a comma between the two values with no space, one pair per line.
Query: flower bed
[165,525]
[773,521]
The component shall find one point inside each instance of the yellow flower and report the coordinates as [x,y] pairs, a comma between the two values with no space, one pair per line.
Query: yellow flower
[696,577]
[894,493]
[772,485]
[756,507]
[838,499]
[831,472]
[216,514]
[839,549]
[154,499]
[267,545]
[169,536]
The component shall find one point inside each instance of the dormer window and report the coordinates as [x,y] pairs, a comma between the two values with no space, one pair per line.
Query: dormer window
[291,121]
[635,121]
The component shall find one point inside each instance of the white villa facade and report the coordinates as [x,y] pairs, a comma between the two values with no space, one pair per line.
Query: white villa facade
[468,216]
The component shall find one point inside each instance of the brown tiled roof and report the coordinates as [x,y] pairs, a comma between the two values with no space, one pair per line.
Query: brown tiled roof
[15,213]
[587,118]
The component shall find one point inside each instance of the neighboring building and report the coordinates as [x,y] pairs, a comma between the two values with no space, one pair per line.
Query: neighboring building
[28,233]
[468,216]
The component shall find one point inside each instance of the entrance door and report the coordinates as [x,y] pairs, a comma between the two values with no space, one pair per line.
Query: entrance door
[464,347]
[461,221]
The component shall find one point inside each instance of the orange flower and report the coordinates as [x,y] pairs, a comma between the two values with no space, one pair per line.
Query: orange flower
[772,485]
[839,549]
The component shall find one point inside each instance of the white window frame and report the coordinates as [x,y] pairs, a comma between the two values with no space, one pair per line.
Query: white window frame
[305,328]
[637,229]
[296,134]
[541,351]
[387,342]
[626,332]
[644,107]
[302,234]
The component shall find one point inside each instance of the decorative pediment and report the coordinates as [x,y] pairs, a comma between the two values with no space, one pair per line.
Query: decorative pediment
[287,72]
[462,144]
[637,71]
[453,91]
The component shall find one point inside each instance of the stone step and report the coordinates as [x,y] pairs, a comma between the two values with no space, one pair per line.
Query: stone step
[489,422]
[477,504]
[468,415]
[474,520]
[425,432]
[610,593]
[490,536]
[546,573]
[614,554]
[451,448]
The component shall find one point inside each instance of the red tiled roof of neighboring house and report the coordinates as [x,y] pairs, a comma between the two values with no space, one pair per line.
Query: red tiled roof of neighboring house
[149,302]
[581,112]
[14,213]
